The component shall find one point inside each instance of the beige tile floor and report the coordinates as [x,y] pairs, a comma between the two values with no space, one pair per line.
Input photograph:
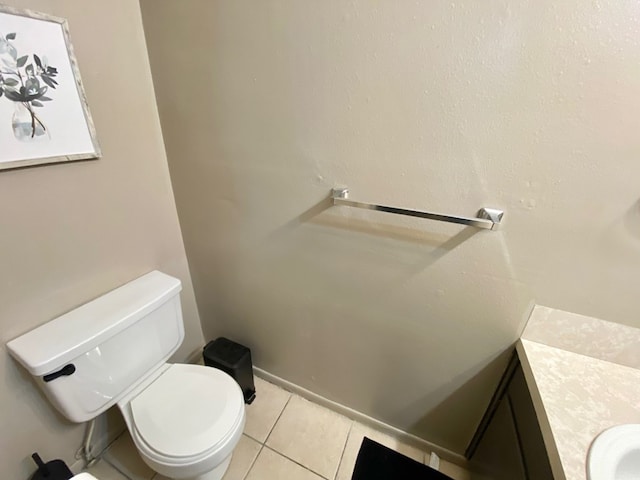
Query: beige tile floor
[285,437]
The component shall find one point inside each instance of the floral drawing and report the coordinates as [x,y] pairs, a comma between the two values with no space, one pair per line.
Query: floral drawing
[25,83]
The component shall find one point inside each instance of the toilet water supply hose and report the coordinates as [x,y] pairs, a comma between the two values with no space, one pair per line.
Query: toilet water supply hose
[84,452]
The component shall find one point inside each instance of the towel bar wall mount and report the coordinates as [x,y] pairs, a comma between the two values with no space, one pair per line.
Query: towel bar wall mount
[487,218]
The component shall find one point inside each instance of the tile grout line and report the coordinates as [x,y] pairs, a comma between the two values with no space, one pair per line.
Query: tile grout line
[253,438]
[252,463]
[263,444]
[116,468]
[335,477]
[277,419]
[291,395]
[296,462]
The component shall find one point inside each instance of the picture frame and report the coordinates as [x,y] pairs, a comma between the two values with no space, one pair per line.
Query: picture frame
[44,115]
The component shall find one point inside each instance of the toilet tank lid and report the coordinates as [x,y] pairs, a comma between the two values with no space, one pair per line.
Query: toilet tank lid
[51,346]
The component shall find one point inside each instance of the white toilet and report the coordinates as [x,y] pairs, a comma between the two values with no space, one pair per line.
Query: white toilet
[185,420]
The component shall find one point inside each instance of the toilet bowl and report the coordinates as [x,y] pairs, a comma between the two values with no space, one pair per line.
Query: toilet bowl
[84,476]
[185,420]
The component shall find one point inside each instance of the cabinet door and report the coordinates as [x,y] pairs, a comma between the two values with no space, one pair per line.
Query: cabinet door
[533,451]
[498,454]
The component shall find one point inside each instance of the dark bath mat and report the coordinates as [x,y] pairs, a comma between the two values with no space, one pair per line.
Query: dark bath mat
[377,462]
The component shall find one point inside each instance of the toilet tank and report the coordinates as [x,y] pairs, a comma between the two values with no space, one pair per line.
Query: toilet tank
[88,358]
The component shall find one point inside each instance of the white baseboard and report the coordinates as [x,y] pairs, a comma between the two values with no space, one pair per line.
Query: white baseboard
[405,437]
[196,357]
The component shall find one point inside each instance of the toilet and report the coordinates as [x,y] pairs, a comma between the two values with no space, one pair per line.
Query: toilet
[185,420]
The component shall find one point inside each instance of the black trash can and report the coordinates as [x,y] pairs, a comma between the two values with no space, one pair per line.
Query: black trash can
[234,359]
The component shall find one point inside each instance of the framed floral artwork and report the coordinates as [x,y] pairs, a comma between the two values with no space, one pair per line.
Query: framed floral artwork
[44,116]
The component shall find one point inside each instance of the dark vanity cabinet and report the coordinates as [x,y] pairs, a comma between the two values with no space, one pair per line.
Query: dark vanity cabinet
[508,444]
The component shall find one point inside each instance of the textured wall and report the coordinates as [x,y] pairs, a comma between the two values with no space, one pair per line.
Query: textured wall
[450,106]
[72,232]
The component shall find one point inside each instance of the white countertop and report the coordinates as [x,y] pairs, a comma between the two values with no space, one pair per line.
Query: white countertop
[584,377]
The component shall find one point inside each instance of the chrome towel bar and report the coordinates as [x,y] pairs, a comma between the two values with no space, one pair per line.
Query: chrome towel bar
[488,218]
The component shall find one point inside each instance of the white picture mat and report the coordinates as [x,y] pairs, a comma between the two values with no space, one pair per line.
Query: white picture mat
[63,116]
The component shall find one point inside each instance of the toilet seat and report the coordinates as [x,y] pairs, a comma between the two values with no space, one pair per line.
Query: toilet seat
[188,413]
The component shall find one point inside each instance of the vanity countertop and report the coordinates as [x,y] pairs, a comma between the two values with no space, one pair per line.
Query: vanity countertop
[584,377]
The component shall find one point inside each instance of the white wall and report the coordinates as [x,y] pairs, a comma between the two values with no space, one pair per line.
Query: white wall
[71,232]
[447,106]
